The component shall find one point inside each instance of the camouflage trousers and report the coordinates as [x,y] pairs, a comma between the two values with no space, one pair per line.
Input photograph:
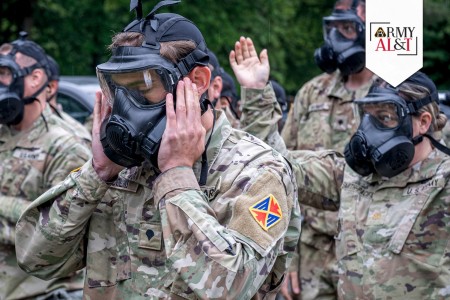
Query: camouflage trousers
[318,273]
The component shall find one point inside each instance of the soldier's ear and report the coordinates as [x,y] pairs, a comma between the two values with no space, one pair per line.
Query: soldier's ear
[52,87]
[201,76]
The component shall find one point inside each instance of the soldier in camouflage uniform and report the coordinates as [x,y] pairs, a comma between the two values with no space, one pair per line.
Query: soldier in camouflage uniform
[392,242]
[160,233]
[323,117]
[70,124]
[36,152]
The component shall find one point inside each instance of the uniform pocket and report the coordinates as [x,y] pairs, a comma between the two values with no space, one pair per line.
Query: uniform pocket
[108,256]
[346,241]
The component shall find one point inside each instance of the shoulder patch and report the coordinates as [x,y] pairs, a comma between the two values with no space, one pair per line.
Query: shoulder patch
[266,212]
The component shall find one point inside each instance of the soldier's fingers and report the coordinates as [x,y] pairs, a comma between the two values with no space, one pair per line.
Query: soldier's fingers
[285,289]
[264,57]
[238,51]
[294,282]
[192,104]
[105,107]
[170,112]
[232,58]
[181,101]
[97,111]
[244,46]
[251,48]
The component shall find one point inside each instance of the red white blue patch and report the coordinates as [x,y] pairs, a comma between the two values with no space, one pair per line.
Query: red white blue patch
[266,212]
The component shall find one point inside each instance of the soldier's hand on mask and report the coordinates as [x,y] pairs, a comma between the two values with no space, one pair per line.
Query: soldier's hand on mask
[250,70]
[183,141]
[290,288]
[105,168]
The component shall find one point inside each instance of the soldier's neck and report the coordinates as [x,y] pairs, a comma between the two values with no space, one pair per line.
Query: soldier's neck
[31,113]
[356,81]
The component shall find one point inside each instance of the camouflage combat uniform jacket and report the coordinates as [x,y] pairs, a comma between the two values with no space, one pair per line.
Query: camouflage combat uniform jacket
[31,162]
[393,240]
[322,117]
[75,127]
[162,236]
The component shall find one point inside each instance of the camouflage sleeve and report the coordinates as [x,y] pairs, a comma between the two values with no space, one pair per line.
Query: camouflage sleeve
[260,112]
[260,115]
[50,233]
[10,211]
[296,112]
[319,176]
[66,154]
[233,260]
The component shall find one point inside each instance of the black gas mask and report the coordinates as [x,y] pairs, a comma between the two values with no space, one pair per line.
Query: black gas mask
[344,43]
[12,76]
[136,80]
[384,142]
[11,91]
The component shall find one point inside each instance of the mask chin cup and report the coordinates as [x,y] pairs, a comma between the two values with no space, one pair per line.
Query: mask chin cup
[134,131]
[351,61]
[117,143]
[361,166]
[11,109]
[393,157]
[325,59]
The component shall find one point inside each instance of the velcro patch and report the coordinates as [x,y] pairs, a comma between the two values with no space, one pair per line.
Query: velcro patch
[30,154]
[266,212]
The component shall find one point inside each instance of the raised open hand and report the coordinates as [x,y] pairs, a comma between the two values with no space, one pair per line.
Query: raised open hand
[250,70]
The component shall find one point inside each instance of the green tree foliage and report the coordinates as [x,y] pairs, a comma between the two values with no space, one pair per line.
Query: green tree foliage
[77,32]
[436,40]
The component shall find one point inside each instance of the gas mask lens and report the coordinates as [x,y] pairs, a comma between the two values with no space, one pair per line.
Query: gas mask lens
[385,115]
[6,76]
[145,86]
[346,29]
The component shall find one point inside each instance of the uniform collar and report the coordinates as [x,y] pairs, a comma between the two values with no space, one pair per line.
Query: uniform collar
[8,135]
[421,171]
[221,131]
[337,89]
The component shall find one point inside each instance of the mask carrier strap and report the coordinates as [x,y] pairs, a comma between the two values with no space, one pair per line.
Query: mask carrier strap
[204,169]
[438,145]
[232,108]
[55,110]
[193,59]
[33,98]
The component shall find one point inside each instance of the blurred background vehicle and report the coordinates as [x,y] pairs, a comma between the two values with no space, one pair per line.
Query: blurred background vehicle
[76,95]
[444,102]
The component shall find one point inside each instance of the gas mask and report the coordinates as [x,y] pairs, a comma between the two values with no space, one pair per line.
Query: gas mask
[11,91]
[136,80]
[384,142]
[12,76]
[344,43]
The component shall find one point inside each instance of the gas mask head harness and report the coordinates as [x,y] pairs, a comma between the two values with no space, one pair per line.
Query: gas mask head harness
[136,79]
[12,82]
[344,42]
[384,142]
